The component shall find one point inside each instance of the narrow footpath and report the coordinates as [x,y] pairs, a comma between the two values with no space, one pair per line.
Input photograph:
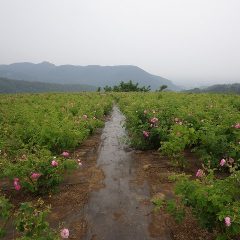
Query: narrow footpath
[119,210]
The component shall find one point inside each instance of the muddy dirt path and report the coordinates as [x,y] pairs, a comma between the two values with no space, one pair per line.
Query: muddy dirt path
[121,209]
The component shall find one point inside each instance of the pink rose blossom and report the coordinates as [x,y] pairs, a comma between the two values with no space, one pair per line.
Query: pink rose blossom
[154,120]
[227,221]
[64,233]
[145,134]
[222,162]
[54,163]
[199,173]
[17,187]
[16,184]
[65,154]
[16,179]
[35,176]
[237,125]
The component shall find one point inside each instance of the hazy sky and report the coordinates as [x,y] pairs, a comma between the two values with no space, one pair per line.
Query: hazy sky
[194,41]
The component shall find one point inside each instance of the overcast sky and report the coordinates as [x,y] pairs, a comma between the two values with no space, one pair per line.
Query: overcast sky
[186,41]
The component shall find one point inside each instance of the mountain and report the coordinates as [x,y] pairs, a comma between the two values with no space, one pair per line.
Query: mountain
[16,86]
[94,75]
[218,88]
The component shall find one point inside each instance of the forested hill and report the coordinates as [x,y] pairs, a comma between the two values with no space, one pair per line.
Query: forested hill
[16,86]
[218,88]
[94,75]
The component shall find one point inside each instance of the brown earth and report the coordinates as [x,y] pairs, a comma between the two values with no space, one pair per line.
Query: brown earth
[67,205]
[155,169]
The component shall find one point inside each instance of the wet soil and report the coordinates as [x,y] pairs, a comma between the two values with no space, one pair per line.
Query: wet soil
[121,210]
[67,206]
[155,169]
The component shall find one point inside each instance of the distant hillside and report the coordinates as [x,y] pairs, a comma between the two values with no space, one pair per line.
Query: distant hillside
[16,86]
[94,75]
[218,88]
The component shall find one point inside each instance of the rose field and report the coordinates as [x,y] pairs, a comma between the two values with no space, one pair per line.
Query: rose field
[141,165]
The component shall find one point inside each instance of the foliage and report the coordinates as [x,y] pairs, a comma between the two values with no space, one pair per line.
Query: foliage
[34,128]
[212,201]
[52,121]
[31,222]
[5,212]
[36,174]
[162,88]
[176,210]
[127,87]
[204,123]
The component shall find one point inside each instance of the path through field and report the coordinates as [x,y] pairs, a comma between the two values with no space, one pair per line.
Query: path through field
[119,210]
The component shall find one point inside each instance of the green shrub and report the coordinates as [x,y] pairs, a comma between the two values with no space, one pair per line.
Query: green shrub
[31,222]
[214,202]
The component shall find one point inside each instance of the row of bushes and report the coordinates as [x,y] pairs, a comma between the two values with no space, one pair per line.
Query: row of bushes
[37,132]
[208,125]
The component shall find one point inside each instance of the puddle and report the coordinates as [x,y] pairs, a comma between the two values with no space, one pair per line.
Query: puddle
[121,210]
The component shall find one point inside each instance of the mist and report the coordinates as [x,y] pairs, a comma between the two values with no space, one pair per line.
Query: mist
[190,42]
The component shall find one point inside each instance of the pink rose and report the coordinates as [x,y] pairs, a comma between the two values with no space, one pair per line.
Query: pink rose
[16,179]
[35,176]
[54,163]
[154,120]
[199,173]
[222,162]
[237,125]
[65,154]
[145,134]
[16,184]
[17,187]
[64,233]
[227,221]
